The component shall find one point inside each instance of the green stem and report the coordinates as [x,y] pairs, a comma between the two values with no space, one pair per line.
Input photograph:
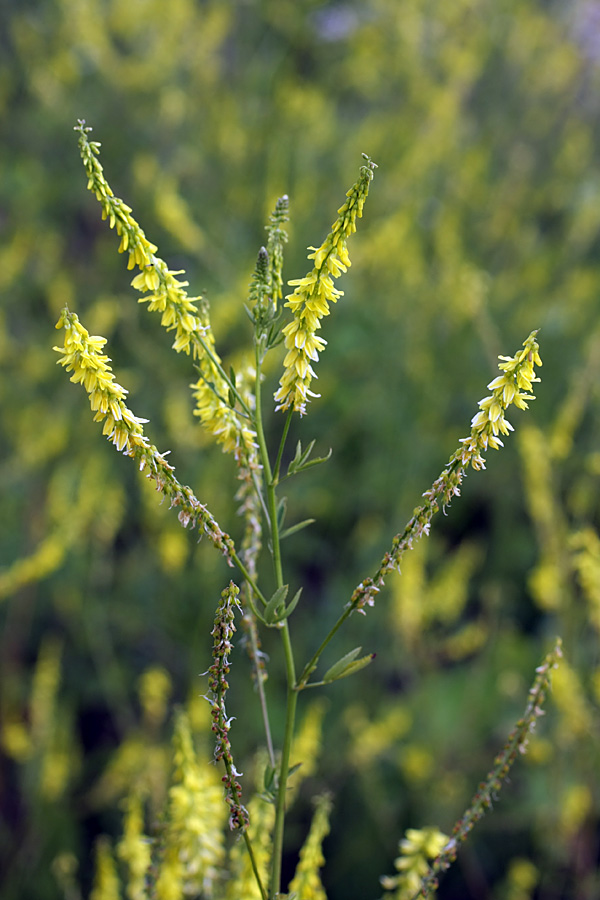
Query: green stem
[292,695]
[284,435]
[284,768]
[263,892]
[260,686]
[223,375]
[235,558]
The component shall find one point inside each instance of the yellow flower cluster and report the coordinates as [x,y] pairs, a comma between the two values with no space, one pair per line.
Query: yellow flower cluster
[134,849]
[166,294]
[418,847]
[106,881]
[513,386]
[306,883]
[486,426]
[194,842]
[82,354]
[231,430]
[313,294]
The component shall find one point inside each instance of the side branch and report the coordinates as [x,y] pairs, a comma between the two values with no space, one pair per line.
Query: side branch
[487,791]
[512,387]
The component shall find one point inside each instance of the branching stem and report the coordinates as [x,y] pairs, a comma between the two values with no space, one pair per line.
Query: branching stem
[284,766]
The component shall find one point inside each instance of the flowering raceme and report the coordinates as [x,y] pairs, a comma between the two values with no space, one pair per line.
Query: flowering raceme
[486,426]
[312,296]
[306,883]
[194,842]
[166,294]
[82,355]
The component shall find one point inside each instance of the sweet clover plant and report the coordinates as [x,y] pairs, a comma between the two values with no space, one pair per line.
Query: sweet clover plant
[186,853]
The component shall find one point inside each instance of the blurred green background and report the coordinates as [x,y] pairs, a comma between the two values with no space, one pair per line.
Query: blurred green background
[482,224]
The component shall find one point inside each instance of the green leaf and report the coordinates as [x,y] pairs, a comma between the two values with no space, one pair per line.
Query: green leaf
[315,462]
[281,511]
[294,528]
[347,665]
[270,781]
[289,609]
[301,460]
[270,610]
[300,457]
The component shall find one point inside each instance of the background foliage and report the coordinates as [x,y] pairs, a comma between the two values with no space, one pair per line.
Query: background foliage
[481,225]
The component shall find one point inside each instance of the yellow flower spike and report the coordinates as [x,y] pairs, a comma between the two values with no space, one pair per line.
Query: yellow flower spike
[417,848]
[106,881]
[194,842]
[486,425]
[81,355]
[312,295]
[306,883]
[180,313]
[134,849]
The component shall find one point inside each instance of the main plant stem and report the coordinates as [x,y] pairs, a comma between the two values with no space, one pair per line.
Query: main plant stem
[292,695]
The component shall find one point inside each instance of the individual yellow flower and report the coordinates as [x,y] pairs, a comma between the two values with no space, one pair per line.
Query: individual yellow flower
[311,298]
[82,355]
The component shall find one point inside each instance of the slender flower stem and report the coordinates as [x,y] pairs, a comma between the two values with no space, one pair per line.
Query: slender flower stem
[312,663]
[292,695]
[251,581]
[218,366]
[488,789]
[262,890]
[284,435]
[260,686]
[284,768]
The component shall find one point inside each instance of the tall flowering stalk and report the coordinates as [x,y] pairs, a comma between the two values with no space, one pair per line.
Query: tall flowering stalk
[217,681]
[313,294]
[134,849]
